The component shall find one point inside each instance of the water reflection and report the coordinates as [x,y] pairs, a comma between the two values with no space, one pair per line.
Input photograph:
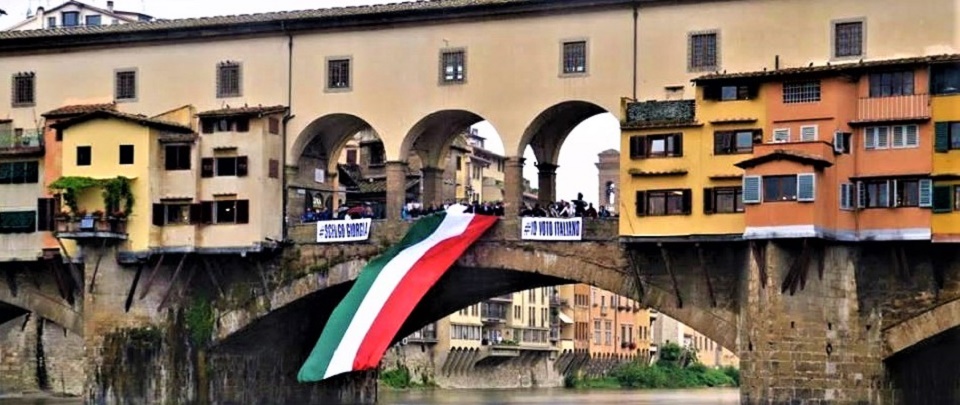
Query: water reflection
[560,396]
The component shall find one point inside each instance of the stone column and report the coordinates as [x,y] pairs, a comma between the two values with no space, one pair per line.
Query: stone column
[432,185]
[513,186]
[396,188]
[812,346]
[547,183]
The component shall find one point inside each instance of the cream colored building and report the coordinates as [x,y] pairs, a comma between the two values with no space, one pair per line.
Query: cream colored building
[668,330]
[74,14]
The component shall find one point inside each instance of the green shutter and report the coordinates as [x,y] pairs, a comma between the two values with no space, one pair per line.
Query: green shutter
[941,136]
[942,200]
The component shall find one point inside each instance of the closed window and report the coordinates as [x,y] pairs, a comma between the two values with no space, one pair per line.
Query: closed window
[875,194]
[224,166]
[947,136]
[228,79]
[126,85]
[608,333]
[801,92]
[93,20]
[84,155]
[779,188]
[897,136]
[575,57]
[177,157]
[730,92]
[126,154]
[597,333]
[273,125]
[781,135]
[51,22]
[273,169]
[734,142]
[338,74]
[847,192]
[653,146]
[723,200]
[891,84]
[24,89]
[453,66]
[847,39]
[945,78]
[18,222]
[225,212]
[176,213]
[888,193]
[70,18]
[808,133]
[209,125]
[664,202]
[19,172]
[703,52]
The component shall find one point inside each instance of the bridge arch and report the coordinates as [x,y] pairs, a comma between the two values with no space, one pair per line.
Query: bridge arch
[926,325]
[54,309]
[326,136]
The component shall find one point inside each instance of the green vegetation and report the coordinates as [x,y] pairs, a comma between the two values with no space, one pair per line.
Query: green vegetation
[400,378]
[115,191]
[199,318]
[676,368]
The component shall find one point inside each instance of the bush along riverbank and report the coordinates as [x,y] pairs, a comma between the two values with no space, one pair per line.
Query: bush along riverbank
[399,378]
[676,368]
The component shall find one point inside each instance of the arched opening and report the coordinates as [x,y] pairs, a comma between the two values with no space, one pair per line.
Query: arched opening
[928,372]
[338,169]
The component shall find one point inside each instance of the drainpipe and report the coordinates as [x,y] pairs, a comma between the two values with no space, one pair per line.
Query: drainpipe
[636,15]
[286,119]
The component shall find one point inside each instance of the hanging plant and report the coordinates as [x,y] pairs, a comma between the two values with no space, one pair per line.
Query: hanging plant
[115,191]
[71,187]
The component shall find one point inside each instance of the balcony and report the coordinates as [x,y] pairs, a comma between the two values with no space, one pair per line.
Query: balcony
[493,315]
[554,333]
[502,298]
[90,227]
[556,301]
[426,335]
[648,114]
[21,143]
[894,108]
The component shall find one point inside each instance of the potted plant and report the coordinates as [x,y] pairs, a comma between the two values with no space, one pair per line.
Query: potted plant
[118,221]
[623,345]
[63,221]
[100,221]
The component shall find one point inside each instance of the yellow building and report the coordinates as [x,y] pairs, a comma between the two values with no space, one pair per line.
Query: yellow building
[945,111]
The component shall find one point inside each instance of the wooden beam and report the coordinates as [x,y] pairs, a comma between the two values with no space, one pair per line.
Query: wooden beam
[821,259]
[797,274]
[153,275]
[96,268]
[634,263]
[61,285]
[74,271]
[263,280]
[673,277]
[208,268]
[760,257]
[706,273]
[173,281]
[133,287]
[904,263]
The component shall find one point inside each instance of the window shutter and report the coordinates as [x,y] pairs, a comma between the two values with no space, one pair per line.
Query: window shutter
[884,198]
[911,137]
[241,166]
[708,201]
[638,147]
[206,167]
[712,92]
[869,138]
[243,211]
[45,214]
[806,187]
[861,195]
[781,135]
[195,213]
[751,190]
[206,212]
[844,195]
[942,199]
[926,193]
[158,214]
[32,172]
[941,135]
[678,145]
[808,133]
[641,203]
[882,136]
[687,201]
[899,136]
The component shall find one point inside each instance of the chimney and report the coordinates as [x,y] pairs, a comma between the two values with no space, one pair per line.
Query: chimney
[40,17]
[110,5]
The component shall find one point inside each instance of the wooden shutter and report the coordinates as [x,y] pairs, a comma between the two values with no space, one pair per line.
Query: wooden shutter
[941,136]
[806,187]
[243,211]
[206,212]
[206,167]
[687,201]
[926,193]
[195,213]
[641,203]
[241,166]
[638,146]
[942,199]
[158,214]
[708,201]
[751,190]
[861,195]
[712,92]
[721,142]
[31,172]
[677,145]
[45,214]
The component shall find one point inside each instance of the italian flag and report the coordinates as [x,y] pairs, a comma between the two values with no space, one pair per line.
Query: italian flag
[364,324]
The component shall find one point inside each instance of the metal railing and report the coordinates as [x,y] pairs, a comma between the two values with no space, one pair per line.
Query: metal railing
[16,139]
[893,107]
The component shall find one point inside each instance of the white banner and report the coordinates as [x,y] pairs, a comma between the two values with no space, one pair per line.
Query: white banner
[552,229]
[348,230]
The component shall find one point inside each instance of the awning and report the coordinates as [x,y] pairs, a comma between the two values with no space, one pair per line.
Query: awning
[565,319]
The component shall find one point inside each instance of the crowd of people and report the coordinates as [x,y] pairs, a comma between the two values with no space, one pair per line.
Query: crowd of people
[567,209]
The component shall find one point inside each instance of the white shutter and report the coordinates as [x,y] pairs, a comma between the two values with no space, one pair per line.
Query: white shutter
[806,187]
[869,138]
[911,136]
[781,135]
[926,193]
[895,184]
[898,137]
[808,133]
[843,196]
[861,195]
[751,189]
[883,140]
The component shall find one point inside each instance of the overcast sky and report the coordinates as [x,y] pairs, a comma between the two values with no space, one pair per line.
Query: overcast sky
[577,172]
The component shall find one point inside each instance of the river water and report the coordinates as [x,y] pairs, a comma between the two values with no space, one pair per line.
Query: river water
[556,396]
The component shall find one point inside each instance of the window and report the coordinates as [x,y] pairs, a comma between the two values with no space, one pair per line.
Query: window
[228,79]
[664,202]
[125,85]
[51,22]
[808,133]
[885,193]
[574,57]
[70,18]
[734,142]
[608,333]
[338,74]
[453,66]
[897,136]
[176,157]
[723,200]
[225,212]
[906,193]
[943,198]
[781,135]
[93,20]
[24,89]
[946,136]
[841,142]
[84,155]
[224,166]
[703,52]
[126,154]
[378,155]
[891,84]
[846,196]
[874,194]
[651,146]
[847,39]
[176,213]
[730,92]
[597,333]
[19,172]
[273,125]
[18,222]
[801,92]
[273,169]
[945,78]
[209,125]
[779,188]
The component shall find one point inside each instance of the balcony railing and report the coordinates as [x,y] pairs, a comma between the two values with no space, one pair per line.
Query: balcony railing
[878,109]
[503,298]
[89,227]
[21,142]
[426,335]
[660,112]
[493,315]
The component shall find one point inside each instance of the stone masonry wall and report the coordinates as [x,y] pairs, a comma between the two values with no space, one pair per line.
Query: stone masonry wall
[532,369]
[18,348]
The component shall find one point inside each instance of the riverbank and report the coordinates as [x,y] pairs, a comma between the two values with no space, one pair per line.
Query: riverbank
[659,376]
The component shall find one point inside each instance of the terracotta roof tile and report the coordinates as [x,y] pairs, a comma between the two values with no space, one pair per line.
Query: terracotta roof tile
[78,109]
[786,154]
[830,68]
[140,119]
[243,111]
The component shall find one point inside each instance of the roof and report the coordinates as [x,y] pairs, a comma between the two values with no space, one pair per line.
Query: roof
[257,111]
[829,69]
[785,154]
[610,152]
[123,15]
[77,109]
[139,119]
[288,21]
